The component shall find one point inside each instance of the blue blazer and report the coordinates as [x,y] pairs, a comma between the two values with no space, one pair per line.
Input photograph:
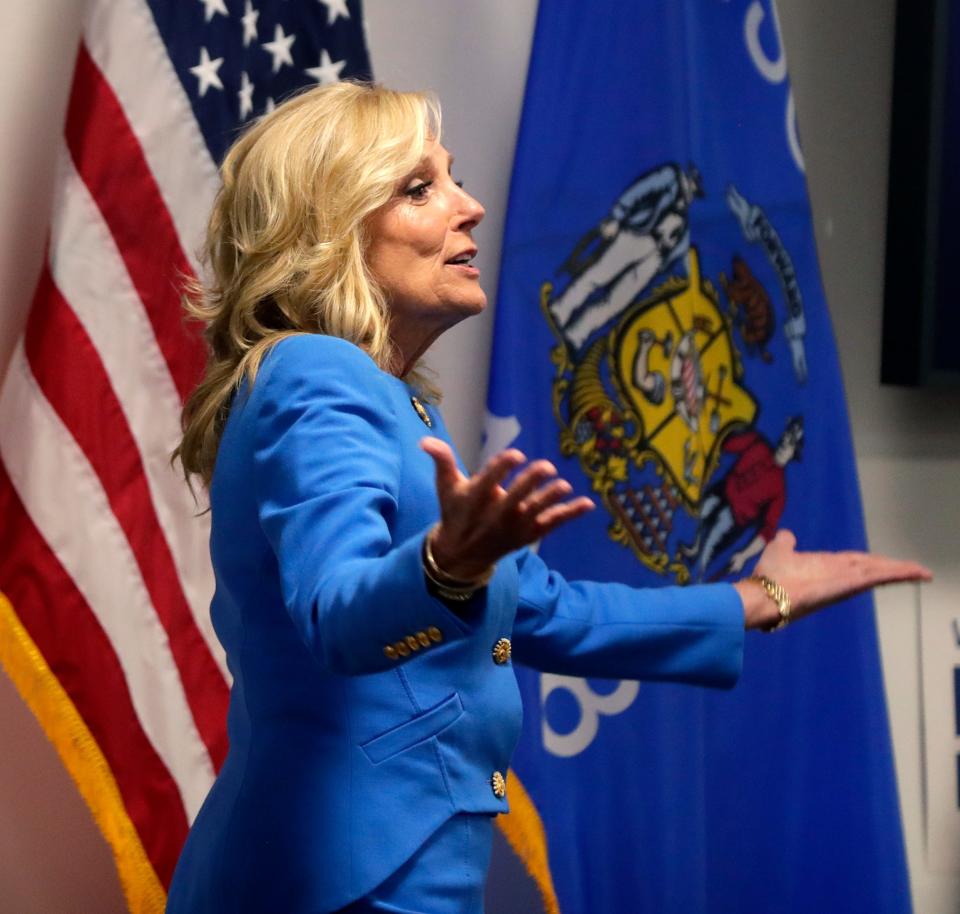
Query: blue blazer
[345,757]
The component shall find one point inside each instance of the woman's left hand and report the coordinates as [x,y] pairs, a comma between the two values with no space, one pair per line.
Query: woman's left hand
[481,521]
[814,580]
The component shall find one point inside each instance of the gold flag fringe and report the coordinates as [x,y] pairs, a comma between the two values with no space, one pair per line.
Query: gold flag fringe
[524,831]
[78,750]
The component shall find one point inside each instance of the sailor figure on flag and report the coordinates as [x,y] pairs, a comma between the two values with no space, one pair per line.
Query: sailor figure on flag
[646,231]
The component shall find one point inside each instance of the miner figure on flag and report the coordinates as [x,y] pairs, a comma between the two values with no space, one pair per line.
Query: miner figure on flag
[750,496]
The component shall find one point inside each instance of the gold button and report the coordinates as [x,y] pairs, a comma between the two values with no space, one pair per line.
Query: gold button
[412,643]
[501,651]
[421,412]
[402,649]
[435,634]
[391,652]
[423,638]
[499,785]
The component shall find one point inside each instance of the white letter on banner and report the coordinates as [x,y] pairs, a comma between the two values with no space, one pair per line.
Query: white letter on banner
[792,136]
[591,707]
[773,71]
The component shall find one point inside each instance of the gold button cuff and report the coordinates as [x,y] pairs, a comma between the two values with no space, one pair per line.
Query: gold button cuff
[502,651]
[498,784]
[413,643]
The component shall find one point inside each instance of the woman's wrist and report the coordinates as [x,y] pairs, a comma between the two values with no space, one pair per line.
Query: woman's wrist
[760,609]
[452,568]
[451,586]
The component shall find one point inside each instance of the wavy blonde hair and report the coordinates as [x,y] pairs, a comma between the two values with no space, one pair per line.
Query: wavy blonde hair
[286,242]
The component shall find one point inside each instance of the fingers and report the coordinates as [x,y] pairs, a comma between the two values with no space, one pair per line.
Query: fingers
[785,539]
[560,514]
[538,499]
[913,571]
[528,482]
[873,567]
[880,569]
[535,500]
[497,469]
[448,473]
[845,574]
[484,519]
[545,496]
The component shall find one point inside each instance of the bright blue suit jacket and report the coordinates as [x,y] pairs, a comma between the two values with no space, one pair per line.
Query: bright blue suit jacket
[343,761]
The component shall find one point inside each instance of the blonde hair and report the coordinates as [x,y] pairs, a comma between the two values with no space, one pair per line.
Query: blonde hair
[286,241]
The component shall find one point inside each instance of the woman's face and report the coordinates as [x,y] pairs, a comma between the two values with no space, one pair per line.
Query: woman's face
[420,249]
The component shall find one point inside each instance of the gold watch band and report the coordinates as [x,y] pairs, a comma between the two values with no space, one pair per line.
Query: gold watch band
[779,596]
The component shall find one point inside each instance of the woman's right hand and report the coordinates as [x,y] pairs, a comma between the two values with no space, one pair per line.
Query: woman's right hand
[481,521]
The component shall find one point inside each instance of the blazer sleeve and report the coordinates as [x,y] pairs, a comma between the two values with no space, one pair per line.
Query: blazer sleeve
[327,464]
[582,628]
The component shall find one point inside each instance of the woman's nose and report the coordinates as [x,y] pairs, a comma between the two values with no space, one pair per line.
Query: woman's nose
[471,210]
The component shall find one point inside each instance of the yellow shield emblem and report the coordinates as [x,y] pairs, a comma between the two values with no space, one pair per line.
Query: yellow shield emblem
[675,364]
[663,387]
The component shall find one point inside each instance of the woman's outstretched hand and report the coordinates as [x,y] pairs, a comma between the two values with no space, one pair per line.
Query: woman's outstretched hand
[481,521]
[816,579]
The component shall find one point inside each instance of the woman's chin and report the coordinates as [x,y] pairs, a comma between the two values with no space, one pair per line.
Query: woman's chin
[468,307]
[479,302]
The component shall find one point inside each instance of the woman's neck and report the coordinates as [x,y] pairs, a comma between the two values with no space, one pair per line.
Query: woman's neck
[409,346]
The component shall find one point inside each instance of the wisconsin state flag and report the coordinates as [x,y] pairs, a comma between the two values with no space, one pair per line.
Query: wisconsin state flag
[662,335]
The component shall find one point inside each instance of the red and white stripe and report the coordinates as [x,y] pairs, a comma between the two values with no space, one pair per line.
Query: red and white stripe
[103,552]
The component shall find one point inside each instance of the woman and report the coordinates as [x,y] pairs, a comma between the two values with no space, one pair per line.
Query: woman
[370,594]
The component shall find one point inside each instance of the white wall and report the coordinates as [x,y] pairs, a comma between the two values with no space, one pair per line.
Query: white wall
[908,443]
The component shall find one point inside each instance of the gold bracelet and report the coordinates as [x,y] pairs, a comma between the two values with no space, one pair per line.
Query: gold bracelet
[779,596]
[448,587]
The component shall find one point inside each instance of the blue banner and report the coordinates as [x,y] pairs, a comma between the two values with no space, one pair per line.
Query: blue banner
[662,335]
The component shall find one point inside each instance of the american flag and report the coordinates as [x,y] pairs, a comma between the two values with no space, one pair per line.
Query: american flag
[105,581]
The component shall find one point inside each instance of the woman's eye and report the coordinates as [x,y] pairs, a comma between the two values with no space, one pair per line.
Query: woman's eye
[418,191]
